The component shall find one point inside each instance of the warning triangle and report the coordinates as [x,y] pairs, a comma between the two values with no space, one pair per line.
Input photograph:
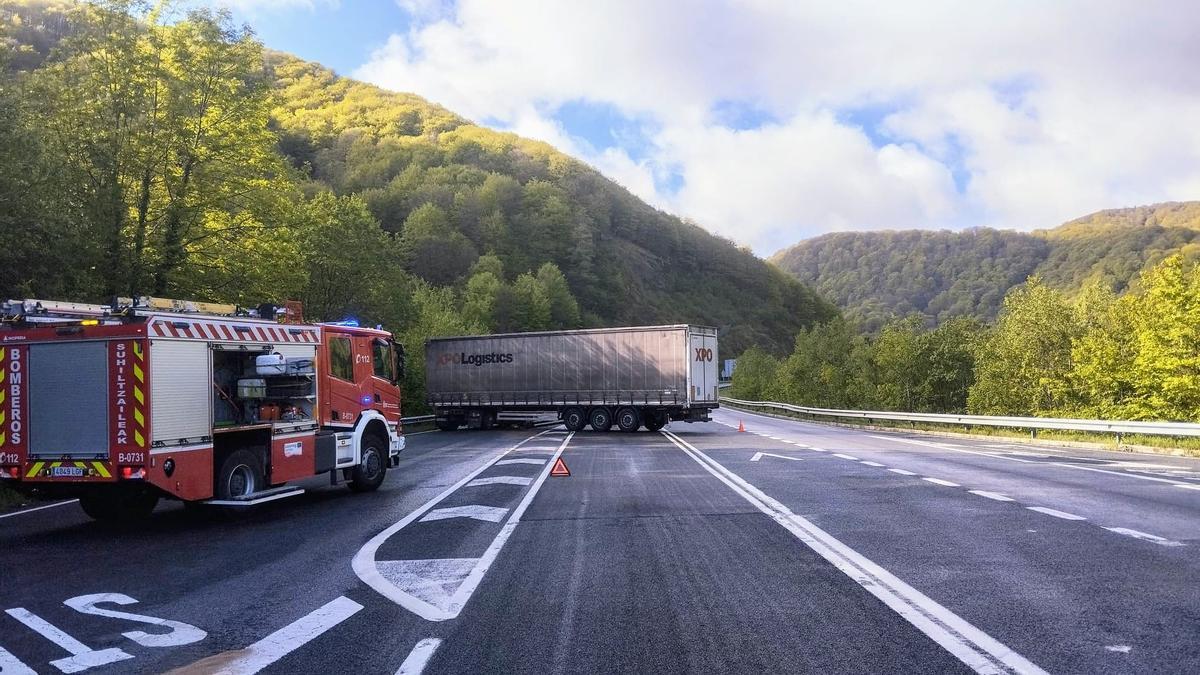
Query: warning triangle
[560,468]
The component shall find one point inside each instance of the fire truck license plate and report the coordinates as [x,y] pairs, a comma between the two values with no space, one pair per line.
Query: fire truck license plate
[67,471]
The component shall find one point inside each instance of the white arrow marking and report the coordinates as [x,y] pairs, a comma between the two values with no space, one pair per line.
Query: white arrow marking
[759,455]
[491,514]
[432,582]
[500,480]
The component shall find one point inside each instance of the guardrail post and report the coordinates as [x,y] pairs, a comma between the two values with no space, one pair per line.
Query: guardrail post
[1033,434]
[1119,437]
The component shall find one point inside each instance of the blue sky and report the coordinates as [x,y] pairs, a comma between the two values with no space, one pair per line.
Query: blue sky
[771,121]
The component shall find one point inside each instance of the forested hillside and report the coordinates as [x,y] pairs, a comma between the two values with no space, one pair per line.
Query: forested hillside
[176,157]
[874,276]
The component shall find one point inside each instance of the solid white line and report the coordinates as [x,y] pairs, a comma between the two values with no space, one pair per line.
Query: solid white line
[463,594]
[939,481]
[850,457]
[1187,487]
[991,495]
[1161,541]
[976,649]
[419,657]
[872,463]
[903,472]
[364,561]
[38,508]
[291,637]
[1057,514]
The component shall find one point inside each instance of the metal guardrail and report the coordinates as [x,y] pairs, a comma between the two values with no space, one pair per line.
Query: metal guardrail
[1032,423]
[418,419]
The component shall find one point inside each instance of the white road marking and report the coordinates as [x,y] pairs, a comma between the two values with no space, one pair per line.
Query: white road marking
[872,463]
[759,455]
[903,472]
[82,656]
[1056,513]
[991,495]
[976,649]
[943,446]
[1120,649]
[180,633]
[500,480]
[1154,538]
[291,637]
[1187,487]
[939,481]
[521,460]
[10,664]
[850,457]
[491,514]
[433,582]
[38,508]
[419,657]
[366,567]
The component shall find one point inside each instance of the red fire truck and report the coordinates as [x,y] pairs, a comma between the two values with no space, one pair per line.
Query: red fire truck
[123,404]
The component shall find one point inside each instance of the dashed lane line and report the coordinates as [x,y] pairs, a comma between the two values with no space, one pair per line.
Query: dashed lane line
[945,446]
[996,496]
[978,650]
[419,657]
[290,638]
[1055,512]
[939,481]
[1153,538]
[849,457]
[875,464]
[903,472]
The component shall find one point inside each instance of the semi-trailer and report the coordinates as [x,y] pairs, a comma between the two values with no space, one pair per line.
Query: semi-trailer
[640,376]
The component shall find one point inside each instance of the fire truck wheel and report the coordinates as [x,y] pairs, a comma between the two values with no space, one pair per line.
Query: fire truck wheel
[119,507]
[574,419]
[370,472]
[654,420]
[241,474]
[600,419]
[628,420]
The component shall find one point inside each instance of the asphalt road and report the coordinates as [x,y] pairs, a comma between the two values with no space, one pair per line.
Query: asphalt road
[792,547]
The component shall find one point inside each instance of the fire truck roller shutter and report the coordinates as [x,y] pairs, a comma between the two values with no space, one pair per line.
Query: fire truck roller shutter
[180,391]
[68,399]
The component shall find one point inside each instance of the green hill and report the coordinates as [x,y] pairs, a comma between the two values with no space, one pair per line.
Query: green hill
[874,276]
[290,181]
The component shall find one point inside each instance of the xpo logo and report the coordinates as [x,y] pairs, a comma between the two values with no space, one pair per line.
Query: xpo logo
[704,354]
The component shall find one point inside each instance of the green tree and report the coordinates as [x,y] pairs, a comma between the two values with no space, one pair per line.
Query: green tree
[432,249]
[901,367]
[829,367]
[1166,328]
[1023,364]
[479,301]
[564,310]
[754,377]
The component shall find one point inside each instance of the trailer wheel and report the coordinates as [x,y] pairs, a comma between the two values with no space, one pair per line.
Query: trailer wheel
[574,419]
[241,474]
[628,420]
[600,419]
[446,425]
[371,471]
[654,421]
[118,507]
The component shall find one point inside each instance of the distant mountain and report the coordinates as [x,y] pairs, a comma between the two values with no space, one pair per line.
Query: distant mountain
[939,274]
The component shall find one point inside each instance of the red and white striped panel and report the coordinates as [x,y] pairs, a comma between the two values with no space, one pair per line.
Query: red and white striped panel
[233,331]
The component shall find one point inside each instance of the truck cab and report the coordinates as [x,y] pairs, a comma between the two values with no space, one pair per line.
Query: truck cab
[363,367]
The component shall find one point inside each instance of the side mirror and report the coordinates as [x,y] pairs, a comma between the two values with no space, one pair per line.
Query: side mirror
[400,362]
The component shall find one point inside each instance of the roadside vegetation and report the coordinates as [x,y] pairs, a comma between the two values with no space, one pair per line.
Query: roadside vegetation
[1096,354]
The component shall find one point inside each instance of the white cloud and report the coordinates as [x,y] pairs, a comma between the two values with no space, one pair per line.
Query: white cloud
[1050,110]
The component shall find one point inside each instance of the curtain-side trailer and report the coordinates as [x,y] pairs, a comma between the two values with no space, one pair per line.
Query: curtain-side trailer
[631,377]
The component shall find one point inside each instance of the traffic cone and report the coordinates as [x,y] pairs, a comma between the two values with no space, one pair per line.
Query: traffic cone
[741,427]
